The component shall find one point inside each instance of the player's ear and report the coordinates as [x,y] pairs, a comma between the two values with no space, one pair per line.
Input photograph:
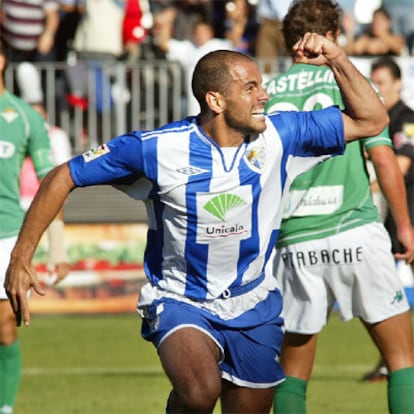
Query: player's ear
[333,36]
[215,101]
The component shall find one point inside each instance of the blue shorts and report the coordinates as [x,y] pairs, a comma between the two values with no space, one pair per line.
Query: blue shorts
[250,353]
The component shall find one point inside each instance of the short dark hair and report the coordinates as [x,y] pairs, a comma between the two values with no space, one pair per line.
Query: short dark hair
[389,63]
[317,16]
[212,73]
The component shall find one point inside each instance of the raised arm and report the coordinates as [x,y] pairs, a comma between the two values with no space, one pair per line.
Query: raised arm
[364,114]
[20,275]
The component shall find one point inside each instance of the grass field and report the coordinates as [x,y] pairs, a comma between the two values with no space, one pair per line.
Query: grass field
[100,365]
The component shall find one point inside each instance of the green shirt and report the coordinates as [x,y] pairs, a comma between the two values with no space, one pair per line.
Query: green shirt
[22,132]
[335,195]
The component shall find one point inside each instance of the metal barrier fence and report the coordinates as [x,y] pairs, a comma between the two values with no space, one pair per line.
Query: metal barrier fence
[94,100]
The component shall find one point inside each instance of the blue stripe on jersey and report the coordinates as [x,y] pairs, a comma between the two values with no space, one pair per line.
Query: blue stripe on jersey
[250,246]
[196,258]
[155,236]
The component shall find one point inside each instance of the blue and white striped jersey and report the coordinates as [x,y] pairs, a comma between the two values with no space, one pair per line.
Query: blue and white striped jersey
[212,224]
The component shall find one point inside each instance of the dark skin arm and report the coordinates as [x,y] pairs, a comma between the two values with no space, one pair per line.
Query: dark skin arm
[21,275]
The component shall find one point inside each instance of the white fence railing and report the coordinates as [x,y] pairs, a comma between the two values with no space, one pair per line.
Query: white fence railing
[95,100]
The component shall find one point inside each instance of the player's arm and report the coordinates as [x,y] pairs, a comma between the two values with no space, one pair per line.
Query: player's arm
[392,185]
[364,114]
[43,161]
[20,275]
[58,261]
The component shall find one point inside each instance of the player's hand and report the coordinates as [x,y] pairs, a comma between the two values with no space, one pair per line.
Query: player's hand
[20,279]
[315,49]
[406,238]
[58,272]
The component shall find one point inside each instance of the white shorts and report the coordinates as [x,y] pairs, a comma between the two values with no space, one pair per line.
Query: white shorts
[6,246]
[354,269]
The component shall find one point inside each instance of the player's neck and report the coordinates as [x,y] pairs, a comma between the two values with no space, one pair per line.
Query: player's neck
[220,132]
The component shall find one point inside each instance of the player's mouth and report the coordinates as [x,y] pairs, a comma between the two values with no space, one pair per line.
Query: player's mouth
[259,115]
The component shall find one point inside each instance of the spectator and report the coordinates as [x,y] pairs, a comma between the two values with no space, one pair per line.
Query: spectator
[378,40]
[187,14]
[135,26]
[240,26]
[386,74]
[180,16]
[28,29]
[92,39]
[402,16]
[187,53]
[325,252]
[269,41]
[70,14]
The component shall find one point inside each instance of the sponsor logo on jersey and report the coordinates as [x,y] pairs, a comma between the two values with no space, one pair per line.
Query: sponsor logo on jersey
[221,204]
[9,115]
[224,215]
[314,201]
[94,153]
[7,149]
[224,231]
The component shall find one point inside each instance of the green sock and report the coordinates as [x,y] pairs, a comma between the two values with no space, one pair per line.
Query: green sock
[290,397]
[9,375]
[401,391]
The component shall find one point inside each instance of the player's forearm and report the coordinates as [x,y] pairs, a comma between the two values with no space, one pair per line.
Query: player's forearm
[392,186]
[52,193]
[368,116]
[365,114]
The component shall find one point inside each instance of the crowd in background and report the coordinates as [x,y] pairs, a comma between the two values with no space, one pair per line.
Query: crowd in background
[139,29]
[131,31]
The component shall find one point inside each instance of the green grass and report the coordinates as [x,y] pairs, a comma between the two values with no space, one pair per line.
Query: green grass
[100,365]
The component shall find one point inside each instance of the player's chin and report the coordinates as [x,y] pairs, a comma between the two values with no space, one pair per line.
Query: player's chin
[259,123]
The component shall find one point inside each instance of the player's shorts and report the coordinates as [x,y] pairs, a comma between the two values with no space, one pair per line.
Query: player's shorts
[354,269]
[250,354]
[6,246]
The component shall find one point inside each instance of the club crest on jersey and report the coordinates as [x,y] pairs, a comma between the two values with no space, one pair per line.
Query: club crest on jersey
[94,153]
[9,115]
[256,157]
